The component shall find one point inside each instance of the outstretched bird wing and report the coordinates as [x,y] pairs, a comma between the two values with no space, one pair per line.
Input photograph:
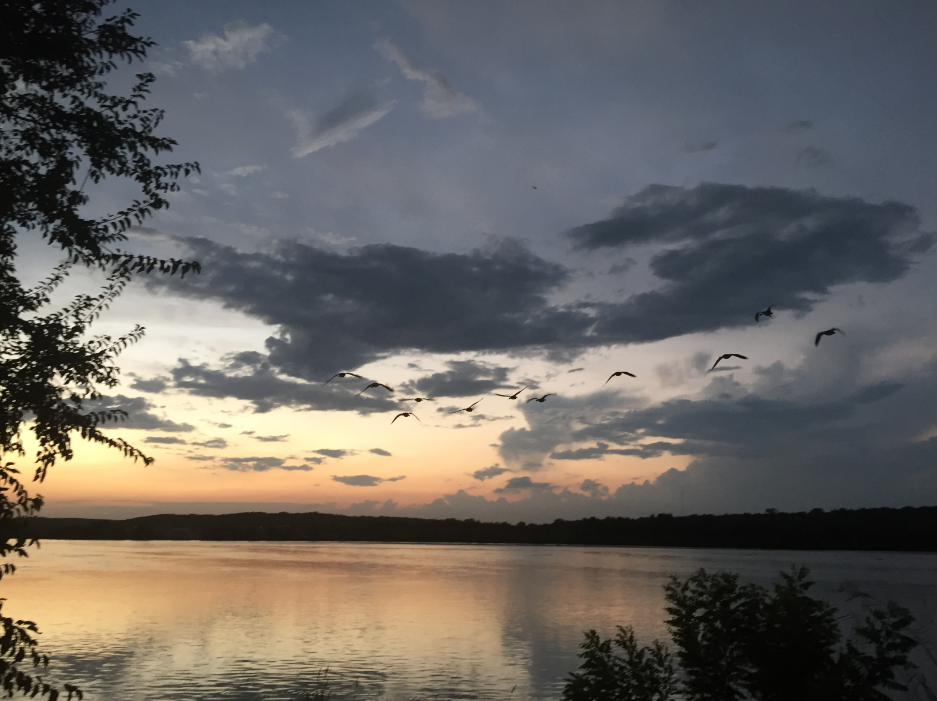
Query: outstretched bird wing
[399,415]
[472,405]
[739,355]
[716,363]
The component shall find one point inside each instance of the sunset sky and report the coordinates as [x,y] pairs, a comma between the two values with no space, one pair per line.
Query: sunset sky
[456,199]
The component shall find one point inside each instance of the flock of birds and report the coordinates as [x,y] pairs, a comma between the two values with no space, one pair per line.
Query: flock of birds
[768,313]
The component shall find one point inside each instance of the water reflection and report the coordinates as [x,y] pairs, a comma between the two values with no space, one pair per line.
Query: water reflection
[192,620]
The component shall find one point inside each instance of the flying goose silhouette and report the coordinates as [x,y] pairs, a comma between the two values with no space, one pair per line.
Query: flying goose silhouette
[406,414]
[767,312]
[511,396]
[726,356]
[468,409]
[417,400]
[343,374]
[376,384]
[540,399]
[619,373]
[828,332]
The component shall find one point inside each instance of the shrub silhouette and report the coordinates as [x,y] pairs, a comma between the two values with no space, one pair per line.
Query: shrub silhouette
[742,641]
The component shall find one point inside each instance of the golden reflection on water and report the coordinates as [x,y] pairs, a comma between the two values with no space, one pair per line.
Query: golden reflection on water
[189,620]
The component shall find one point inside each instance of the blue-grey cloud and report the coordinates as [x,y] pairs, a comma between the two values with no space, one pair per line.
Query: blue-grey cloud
[464,378]
[139,414]
[212,443]
[153,385]
[489,472]
[813,157]
[729,248]
[381,452]
[271,439]
[364,480]
[251,377]
[259,464]
[336,453]
[165,440]
[523,484]
[594,489]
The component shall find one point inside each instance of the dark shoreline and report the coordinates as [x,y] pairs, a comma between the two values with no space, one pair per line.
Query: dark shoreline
[909,529]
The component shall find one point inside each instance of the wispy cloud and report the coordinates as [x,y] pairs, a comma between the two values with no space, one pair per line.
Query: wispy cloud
[440,99]
[338,125]
[242,171]
[364,480]
[239,47]
[380,451]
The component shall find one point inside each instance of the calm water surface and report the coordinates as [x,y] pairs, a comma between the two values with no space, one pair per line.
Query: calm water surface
[192,620]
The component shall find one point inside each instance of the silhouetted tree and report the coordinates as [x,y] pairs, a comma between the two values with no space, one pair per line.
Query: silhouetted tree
[742,641]
[60,129]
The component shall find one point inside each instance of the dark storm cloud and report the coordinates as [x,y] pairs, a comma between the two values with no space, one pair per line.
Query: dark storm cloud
[723,251]
[261,464]
[799,127]
[489,472]
[594,489]
[730,248]
[139,414]
[651,450]
[747,426]
[364,480]
[813,157]
[249,376]
[153,385]
[464,378]
[521,484]
[698,147]
[338,311]
[381,452]
[167,440]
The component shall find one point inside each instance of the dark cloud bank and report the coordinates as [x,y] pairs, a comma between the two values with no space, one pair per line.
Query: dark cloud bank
[722,250]
[719,251]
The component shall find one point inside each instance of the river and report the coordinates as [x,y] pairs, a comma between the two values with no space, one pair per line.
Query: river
[135,621]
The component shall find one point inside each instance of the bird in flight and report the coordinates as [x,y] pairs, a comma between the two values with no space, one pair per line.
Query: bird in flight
[511,396]
[416,399]
[534,187]
[828,332]
[540,399]
[767,312]
[343,374]
[726,356]
[469,408]
[619,373]
[406,414]
[376,384]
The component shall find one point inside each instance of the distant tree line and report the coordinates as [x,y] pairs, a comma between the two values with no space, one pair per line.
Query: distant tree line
[908,529]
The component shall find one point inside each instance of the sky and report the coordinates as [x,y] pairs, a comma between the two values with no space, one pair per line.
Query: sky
[463,199]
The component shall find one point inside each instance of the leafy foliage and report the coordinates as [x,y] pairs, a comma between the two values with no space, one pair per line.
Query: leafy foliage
[742,641]
[60,132]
